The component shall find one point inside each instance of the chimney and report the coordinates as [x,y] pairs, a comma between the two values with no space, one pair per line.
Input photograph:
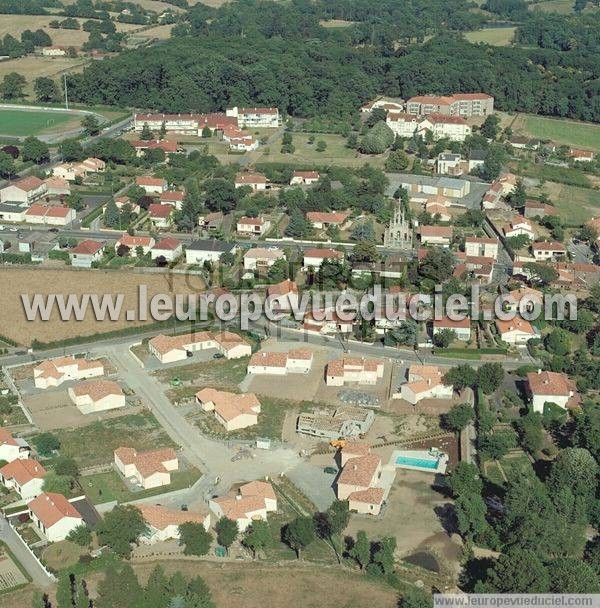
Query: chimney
[539,371]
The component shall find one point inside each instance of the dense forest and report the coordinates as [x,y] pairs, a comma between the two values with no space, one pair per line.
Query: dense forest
[254,52]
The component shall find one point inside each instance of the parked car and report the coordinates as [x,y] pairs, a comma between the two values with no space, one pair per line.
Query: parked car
[330,470]
[218,356]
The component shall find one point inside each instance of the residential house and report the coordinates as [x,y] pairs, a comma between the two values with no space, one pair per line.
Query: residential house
[462,328]
[167,146]
[459,104]
[314,256]
[133,242]
[283,297]
[252,502]
[425,382]
[306,178]
[163,523]
[321,220]
[97,396]
[516,331]
[507,182]
[261,258]
[548,250]
[123,201]
[403,124]
[12,212]
[51,215]
[328,322]
[255,117]
[169,248]
[149,469]
[295,361]
[517,226]
[54,516]
[53,372]
[481,247]
[211,221]
[234,411]
[421,187]
[450,164]
[525,298]
[253,226]
[160,215]
[201,251]
[581,156]
[254,180]
[57,186]
[26,477]
[173,198]
[538,209]
[359,482]
[12,447]
[454,128]
[350,369]
[168,349]
[522,143]
[551,387]
[151,185]
[346,421]
[25,190]
[86,253]
[436,235]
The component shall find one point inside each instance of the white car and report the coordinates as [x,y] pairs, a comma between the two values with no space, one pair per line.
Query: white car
[1,227]
[14,229]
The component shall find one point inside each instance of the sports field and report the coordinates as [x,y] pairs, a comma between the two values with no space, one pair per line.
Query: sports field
[568,132]
[22,123]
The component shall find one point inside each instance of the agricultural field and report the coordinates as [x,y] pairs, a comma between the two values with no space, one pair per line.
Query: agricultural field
[561,131]
[496,36]
[575,205]
[162,32]
[563,7]
[64,281]
[22,123]
[329,23]
[33,67]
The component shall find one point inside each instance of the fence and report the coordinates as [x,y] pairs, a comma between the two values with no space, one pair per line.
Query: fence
[33,555]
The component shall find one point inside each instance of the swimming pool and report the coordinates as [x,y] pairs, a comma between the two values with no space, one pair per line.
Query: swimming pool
[422,463]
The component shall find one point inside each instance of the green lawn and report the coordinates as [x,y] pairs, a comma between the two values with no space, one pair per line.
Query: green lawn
[105,487]
[575,205]
[496,36]
[95,443]
[517,465]
[563,131]
[221,373]
[21,123]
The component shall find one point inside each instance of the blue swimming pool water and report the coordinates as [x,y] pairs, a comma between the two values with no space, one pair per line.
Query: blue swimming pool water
[423,463]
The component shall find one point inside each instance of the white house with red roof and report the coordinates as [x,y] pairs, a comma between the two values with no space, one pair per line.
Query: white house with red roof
[57,186]
[233,410]
[517,226]
[283,296]
[581,156]
[95,396]
[294,361]
[173,197]
[462,327]
[548,250]
[253,226]
[160,215]
[484,247]
[353,370]
[516,331]
[315,256]
[425,382]
[133,242]
[26,477]
[551,387]
[151,185]
[454,128]
[86,253]
[25,190]
[169,248]
[168,349]
[54,516]
[51,215]
[262,257]
[12,447]
[149,469]
[252,501]
[305,178]
[53,372]
[458,104]
[436,235]
[163,523]
[321,220]
[256,181]
[255,117]
[166,145]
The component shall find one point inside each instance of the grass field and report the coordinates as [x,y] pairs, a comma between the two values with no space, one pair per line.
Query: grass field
[496,36]
[575,205]
[564,7]
[562,131]
[63,281]
[517,465]
[95,443]
[33,122]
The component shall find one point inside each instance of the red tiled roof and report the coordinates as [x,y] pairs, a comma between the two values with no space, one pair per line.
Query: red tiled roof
[23,470]
[160,211]
[168,243]
[88,247]
[50,508]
